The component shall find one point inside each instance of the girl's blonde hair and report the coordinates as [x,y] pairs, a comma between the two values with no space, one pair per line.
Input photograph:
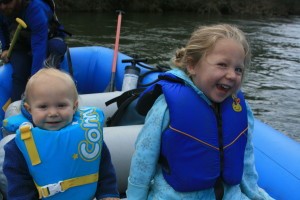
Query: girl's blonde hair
[204,39]
[51,72]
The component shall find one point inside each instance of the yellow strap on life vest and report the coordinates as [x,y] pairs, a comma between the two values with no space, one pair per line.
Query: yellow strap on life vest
[26,135]
[61,186]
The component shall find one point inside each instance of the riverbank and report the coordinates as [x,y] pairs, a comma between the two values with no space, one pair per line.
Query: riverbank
[202,7]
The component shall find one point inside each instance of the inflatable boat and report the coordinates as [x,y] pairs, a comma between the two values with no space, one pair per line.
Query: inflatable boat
[90,68]
[276,155]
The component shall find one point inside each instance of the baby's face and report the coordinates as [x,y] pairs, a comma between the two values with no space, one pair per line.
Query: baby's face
[51,105]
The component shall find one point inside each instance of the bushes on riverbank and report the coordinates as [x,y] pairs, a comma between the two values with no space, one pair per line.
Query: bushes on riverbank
[212,7]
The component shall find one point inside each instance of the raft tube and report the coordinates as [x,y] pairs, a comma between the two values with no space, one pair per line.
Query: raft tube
[91,68]
[277,162]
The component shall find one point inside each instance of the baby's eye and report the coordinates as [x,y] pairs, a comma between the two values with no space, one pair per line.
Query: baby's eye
[42,106]
[61,105]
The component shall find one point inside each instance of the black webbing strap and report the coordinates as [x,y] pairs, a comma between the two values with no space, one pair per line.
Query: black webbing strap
[123,97]
[123,102]
[219,189]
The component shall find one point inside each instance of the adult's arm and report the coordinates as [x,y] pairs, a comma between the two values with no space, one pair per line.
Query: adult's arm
[4,33]
[37,17]
[4,38]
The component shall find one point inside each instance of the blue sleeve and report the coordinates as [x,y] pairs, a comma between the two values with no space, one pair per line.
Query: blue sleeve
[20,184]
[4,33]
[37,18]
[107,183]
[249,186]
[147,151]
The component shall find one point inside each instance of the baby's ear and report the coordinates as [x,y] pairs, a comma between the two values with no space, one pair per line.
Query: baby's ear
[75,106]
[27,107]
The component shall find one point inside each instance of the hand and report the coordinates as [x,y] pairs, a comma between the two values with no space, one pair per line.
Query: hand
[4,56]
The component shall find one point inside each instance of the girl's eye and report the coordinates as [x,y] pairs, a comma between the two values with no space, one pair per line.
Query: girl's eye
[239,70]
[222,64]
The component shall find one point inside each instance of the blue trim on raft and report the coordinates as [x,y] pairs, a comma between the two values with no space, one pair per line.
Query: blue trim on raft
[92,68]
[276,155]
[277,162]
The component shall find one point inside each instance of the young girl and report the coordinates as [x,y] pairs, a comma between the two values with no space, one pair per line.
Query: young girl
[58,152]
[197,139]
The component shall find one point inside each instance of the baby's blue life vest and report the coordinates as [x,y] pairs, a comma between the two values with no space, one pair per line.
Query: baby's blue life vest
[12,123]
[64,164]
[196,139]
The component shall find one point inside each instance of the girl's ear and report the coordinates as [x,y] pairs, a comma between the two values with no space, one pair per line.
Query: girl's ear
[190,66]
[27,107]
[191,69]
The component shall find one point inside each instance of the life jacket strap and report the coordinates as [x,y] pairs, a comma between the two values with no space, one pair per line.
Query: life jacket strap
[26,136]
[219,189]
[61,186]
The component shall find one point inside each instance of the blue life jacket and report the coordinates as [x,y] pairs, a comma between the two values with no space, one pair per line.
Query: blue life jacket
[11,124]
[199,146]
[64,164]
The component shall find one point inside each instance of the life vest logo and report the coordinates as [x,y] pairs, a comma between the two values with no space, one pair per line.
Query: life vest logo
[236,104]
[90,148]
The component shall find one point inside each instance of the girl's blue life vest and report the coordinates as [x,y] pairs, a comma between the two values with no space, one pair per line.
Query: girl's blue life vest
[191,151]
[64,164]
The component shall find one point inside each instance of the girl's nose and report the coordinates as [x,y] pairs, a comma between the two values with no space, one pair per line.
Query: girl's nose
[231,74]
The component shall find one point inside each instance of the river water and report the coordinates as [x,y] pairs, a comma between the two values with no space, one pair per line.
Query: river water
[272,86]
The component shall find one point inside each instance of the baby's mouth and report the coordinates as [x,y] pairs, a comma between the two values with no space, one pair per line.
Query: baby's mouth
[52,123]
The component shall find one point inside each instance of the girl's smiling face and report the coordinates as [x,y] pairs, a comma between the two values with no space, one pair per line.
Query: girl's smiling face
[219,73]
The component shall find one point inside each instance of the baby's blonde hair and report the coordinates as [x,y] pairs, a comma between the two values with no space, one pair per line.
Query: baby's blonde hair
[204,39]
[53,73]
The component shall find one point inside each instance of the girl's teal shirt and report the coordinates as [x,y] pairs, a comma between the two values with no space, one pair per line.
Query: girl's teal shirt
[146,180]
